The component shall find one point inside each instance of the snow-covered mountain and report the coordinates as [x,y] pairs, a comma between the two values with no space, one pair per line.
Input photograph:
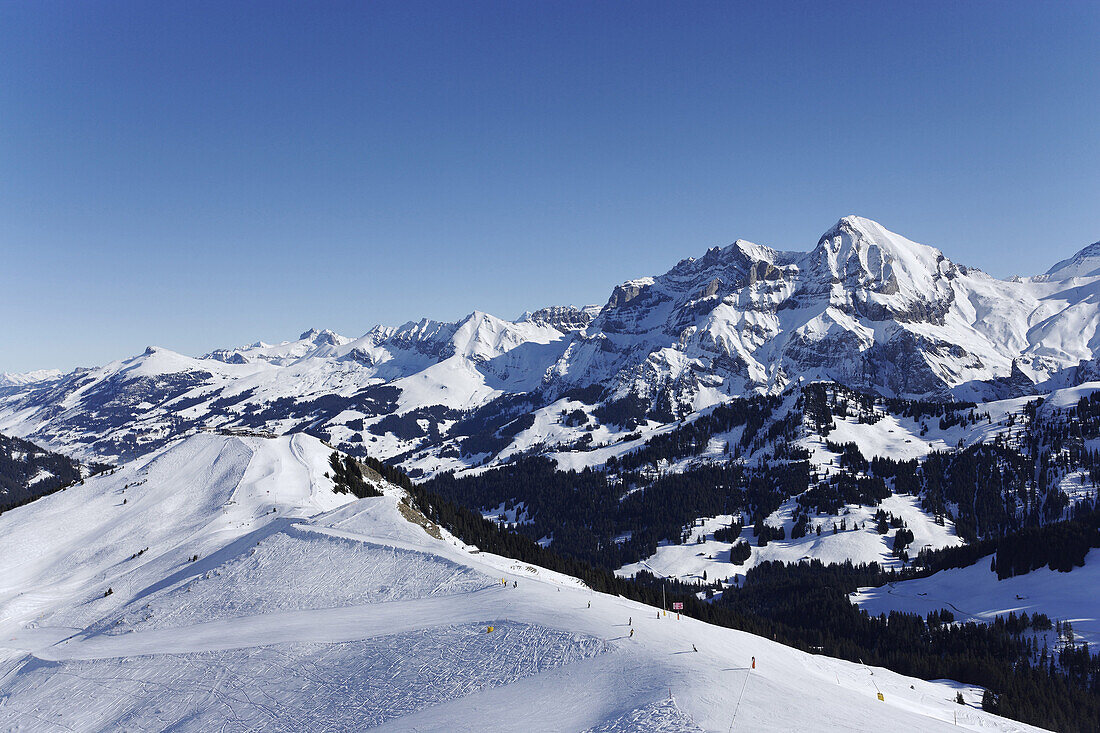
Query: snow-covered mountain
[10,379]
[865,307]
[220,583]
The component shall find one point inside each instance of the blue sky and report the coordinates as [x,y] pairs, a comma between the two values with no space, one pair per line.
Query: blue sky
[206,174]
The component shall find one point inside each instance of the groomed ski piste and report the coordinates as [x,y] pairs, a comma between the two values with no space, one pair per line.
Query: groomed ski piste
[221,584]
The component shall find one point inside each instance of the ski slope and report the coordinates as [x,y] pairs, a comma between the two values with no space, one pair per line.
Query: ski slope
[306,610]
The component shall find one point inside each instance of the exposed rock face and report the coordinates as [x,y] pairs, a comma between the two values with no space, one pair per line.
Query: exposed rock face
[562,317]
[623,294]
[1016,384]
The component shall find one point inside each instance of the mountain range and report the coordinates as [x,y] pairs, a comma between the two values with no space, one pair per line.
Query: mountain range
[865,307]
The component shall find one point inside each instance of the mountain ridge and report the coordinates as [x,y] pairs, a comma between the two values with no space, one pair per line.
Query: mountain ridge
[864,307]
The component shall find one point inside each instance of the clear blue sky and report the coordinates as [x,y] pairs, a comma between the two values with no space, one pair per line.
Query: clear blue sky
[205,174]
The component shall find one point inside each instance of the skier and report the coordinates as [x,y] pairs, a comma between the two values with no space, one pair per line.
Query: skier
[693,648]
[754,662]
[590,604]
[632,633]
[630,621]
[515,583]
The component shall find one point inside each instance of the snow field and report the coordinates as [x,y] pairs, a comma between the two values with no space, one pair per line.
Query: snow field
[298,570]
[340,686]
[659,717]
[975,594]
[690,560]
[134,528]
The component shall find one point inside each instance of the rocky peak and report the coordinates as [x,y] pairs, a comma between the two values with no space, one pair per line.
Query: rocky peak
[321,337]
[731,264]
[565,318]
[879,273]
[628,291]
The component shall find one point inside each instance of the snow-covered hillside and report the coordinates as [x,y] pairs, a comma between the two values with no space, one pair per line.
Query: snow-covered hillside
[129,529]
[975,594]
[849,533]
[220,583]
[858,542]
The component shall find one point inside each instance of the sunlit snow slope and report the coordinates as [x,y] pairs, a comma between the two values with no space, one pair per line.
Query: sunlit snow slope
[246,595]
[975,594]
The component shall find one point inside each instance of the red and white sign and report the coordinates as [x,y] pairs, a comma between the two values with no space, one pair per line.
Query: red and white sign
[677,606]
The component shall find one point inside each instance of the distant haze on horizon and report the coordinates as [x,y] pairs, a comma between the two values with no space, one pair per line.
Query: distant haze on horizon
[203,175]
